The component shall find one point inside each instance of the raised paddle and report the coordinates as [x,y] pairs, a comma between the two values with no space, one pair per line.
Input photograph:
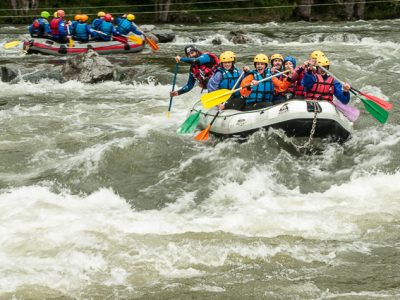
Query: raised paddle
[173,89]
[382,103]
[153,45]
[204,134]
[217,97]
[11,44]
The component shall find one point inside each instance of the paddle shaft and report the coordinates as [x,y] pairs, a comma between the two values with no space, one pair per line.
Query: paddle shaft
[173,86]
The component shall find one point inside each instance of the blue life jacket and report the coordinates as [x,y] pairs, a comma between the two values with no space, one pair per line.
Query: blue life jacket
[124,26]
[229,78]
[264,91]
[107,28]
[81,32]
[96,24]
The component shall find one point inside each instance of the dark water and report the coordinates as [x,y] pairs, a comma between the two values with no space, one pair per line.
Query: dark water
[101,199]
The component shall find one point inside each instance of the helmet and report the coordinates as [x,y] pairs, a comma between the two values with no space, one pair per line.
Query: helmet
[117,20]
[276,56]
[317,53]
[190,48]
[60,13]
[130,17]
[55,14]
[77,17]
[108,18]
[323,61]
[261,58]
[101,14]
[84,18]
[227,56]
[44,14]
[291,59]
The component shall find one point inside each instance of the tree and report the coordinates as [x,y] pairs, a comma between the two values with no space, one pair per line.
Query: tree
[22,7]
[163,8]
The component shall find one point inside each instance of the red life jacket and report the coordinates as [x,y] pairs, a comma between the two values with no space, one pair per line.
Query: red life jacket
[296,88]
[203,72]
[322,89]
[54,26]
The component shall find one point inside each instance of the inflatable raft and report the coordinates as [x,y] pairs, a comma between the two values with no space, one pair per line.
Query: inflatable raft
[47,46]
[295,117]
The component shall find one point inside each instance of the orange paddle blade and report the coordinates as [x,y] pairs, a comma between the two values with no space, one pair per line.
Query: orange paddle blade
[153,45]
[203,135]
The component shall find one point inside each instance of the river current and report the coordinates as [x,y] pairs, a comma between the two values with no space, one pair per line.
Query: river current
[100,198]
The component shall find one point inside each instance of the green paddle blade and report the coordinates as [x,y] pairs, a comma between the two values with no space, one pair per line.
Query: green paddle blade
[190,124]
[216,97]
[375,110]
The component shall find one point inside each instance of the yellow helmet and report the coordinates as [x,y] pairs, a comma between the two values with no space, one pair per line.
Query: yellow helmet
[130,17]
[101,14]
[323,61]
[317,53]
[261,58]
[227,56]
[55,15]
[276,56]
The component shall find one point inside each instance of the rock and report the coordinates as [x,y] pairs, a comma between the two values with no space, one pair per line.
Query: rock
[147,28]
[15,73]
[164,36]
[124,73]
[216,41]
[239,36]
[88,67]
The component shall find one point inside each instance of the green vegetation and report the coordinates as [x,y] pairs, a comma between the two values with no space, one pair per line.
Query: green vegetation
[191,11]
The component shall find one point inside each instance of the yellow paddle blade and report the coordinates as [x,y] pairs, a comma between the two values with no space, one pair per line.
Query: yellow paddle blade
[11,44]
[203,135]
[135,39]
[71,43]
[214,98]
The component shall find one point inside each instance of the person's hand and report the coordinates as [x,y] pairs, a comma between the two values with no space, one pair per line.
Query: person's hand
[273,70]
[177,58]
[346,87]
[246,69]
[221,106]
[254,82]
[173,93]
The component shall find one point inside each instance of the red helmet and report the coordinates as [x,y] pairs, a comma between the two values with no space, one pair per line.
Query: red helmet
[108,18]
[60,13]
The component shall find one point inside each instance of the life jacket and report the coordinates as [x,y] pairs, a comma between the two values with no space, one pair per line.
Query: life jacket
[322,89]
[124,26]
[203,72]
[81,32]
[264,91]
[54,26]
[96,24]
[106,27]
[296,88]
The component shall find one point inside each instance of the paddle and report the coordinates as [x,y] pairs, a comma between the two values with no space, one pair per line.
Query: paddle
[173,89]
[153,45]
[114,37]
[382,103]
[133,38]
[11,44]
[350,112]
[204,134]
[190,123]
[70,40]
[377,111]
[217,97]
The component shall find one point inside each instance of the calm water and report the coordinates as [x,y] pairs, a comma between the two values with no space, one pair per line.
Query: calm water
[101,199]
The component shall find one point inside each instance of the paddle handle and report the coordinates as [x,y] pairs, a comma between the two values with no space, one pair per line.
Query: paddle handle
[173,86]
[215,117]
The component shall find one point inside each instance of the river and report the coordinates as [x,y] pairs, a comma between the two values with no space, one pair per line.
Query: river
[101,199]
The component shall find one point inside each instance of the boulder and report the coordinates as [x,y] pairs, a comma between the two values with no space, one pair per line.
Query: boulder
[164,36]
[14,73]
[88,67]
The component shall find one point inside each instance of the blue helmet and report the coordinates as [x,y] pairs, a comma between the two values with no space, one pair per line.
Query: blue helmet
[291,59]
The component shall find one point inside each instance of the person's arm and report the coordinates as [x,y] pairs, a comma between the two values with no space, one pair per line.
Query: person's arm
[296,73]
[189,85]
[246,81]
[215,80]
[280,85]
[135,30]
[201,60]
[308,80]
[342,95]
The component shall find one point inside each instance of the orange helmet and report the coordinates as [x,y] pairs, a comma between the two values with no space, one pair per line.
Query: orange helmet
[60,13]
[84,18]
[77,17]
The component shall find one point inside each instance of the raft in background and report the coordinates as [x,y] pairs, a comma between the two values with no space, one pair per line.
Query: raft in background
[295,117]
[47,46]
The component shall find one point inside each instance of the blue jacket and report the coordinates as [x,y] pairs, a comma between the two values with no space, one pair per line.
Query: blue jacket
[223,79]
[125,26]
[96,24]
[82,32]
[202,59]
[309,80]
[40,27]
[108,29]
